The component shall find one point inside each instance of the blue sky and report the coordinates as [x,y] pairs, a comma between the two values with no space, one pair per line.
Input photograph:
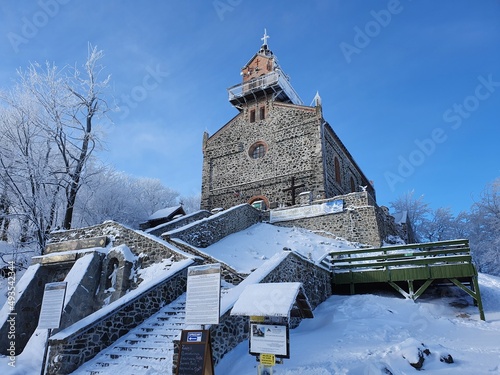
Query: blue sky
[411,87]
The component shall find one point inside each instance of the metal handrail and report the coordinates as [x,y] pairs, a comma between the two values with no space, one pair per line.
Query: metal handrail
[276,78]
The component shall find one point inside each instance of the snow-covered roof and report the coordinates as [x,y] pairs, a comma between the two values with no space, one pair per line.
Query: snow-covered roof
[272,299]
[164,213]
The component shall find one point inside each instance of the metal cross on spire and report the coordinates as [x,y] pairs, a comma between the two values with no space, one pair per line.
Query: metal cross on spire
[265,38]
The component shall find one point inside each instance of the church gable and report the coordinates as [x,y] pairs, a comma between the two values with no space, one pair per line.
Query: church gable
[248,159]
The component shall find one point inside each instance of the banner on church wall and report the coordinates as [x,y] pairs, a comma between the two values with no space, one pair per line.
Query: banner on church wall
[307,211]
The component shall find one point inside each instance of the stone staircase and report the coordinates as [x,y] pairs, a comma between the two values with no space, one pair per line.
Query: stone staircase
[146,349]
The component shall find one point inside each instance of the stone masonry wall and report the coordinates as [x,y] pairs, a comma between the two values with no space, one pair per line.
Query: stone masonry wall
[296,268]
[348,168]
[361,221]
[297,142]
[291,138]
[178,223]
[28,306]
[68,352]
[228,274]
[208,231]
[153,250]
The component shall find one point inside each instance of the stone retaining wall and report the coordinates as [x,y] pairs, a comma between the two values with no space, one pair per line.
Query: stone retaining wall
[68,352]
[361,221]
[178,223]
[228,274]
[151,249]
[208,231]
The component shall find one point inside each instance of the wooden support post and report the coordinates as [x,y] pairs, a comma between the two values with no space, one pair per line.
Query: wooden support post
[479,301]
[410,289]
[476,295]
[399,289]
[351,287]
[422,289]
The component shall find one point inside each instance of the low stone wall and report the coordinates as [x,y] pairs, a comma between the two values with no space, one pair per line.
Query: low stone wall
[361,220]
[151,248]
[69,351]
[208,231]
[178,223]
[82,302]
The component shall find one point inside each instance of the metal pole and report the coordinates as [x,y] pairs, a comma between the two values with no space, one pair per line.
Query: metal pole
[42,372]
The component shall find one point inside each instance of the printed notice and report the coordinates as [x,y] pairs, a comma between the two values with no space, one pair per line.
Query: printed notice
[269,339]
[52,305]
[203,294]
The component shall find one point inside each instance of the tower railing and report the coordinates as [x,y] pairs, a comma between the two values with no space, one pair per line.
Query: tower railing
[276,82]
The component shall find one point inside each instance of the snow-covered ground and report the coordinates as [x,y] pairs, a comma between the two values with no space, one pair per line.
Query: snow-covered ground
[362,334]
[377,333]
[250,248]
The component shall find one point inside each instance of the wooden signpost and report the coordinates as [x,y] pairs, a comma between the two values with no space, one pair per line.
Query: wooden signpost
[195,353]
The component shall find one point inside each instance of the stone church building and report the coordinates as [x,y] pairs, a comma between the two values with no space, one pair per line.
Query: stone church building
[276,147]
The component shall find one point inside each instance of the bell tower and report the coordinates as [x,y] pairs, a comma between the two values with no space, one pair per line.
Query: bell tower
[262,77]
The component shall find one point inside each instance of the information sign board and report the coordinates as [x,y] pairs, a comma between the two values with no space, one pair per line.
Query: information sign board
[269,339]
[195,353]
[52,305]
[307,211]
[203,295]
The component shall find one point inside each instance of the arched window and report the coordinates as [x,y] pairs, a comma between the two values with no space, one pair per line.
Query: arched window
[353,185]
[337,170]
[260,202]
[257,150]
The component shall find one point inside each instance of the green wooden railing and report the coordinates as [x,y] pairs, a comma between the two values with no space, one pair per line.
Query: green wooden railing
[433,253]
[425,262]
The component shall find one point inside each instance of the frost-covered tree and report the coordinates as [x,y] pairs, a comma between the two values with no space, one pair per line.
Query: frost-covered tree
[48,131]
[120,197]
[417,211]
[191,203]
[29,185]
[438,226]
[72,106]
[484,229]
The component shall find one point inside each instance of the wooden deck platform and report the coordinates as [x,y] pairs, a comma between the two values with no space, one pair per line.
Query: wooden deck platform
[415,264]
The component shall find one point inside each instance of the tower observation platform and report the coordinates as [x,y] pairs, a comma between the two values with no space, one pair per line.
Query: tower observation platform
[275,85]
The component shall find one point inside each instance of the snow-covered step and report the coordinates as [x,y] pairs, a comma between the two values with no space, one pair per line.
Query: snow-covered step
[146,349]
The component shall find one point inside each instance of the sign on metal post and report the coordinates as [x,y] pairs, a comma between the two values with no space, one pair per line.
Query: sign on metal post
[203,295]
[271,339]
[51,312]
[52,305]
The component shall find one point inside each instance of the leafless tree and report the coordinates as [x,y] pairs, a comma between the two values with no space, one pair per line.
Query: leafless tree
[484,229]
[123,198]
[416,209]
[72,106]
